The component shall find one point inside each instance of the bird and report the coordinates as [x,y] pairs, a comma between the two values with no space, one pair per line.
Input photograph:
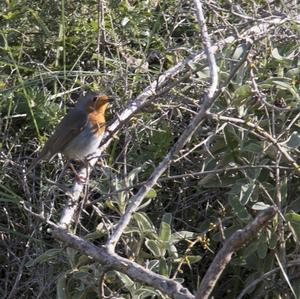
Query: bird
[80,132]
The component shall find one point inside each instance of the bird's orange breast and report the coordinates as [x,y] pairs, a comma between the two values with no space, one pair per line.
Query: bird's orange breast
[97,121]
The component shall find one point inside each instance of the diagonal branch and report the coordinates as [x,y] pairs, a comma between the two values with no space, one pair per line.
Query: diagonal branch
[236,241]
[208,50]
[209,99]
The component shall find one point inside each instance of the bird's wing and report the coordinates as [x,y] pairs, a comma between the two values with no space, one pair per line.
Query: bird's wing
[70,126]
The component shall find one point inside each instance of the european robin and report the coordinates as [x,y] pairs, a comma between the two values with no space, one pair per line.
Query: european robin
[79,133]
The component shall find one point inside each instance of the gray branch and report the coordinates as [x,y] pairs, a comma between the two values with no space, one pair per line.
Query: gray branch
[113,261]
[209,99]
[237,240]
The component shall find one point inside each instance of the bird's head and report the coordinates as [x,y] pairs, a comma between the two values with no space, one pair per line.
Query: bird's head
[93,102]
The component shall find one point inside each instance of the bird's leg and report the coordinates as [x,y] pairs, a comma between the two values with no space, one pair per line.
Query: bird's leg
[81,178]
[85,193]
[87,168]
[63,171]
[78,177]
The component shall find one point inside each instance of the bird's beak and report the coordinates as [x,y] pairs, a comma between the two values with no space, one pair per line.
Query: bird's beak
[111,100]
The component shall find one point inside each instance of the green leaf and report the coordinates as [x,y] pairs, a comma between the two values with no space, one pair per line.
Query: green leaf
[282,83]
[232,139]
[144,223]
[144,204]
[132,175]
[250,249]
[172,251]
[155,247]
[280,58]
[163,267]
[124,21]
[61,283]
[151,194]
[146,293]
[262,247]
[246,192]
[276,54]
[260,206]
[273,240]
[182,235]
[243,92]
[295,205]
[203,74]
[165,228]
[293,72]
[239,209]
[217,182]
[153,265]
[293,217]
[189,259]
[252,147]
[293,141]
[268,83]
[294,220]
[81,275]
[127,281]
[44,257]
[83,260]
[192,259]
[239,51]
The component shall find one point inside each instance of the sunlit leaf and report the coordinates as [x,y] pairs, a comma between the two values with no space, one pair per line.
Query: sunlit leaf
[260,206]
[293,141]
[246,192]
[155,247]
[294,219]
[165,228]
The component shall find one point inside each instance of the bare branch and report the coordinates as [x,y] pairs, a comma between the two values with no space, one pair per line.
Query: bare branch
[208,50]
[73,195]
[132,269]
[237,240]
[136,200]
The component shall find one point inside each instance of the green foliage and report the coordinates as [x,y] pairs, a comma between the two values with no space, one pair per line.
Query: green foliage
[229,171]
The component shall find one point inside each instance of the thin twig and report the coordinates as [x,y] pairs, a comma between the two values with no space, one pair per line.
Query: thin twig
[101,38]
[20,270]
[208,51]
[265,276]
[191,175]
[263,133]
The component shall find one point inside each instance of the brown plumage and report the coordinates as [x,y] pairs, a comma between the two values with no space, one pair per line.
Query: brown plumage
[79,133]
